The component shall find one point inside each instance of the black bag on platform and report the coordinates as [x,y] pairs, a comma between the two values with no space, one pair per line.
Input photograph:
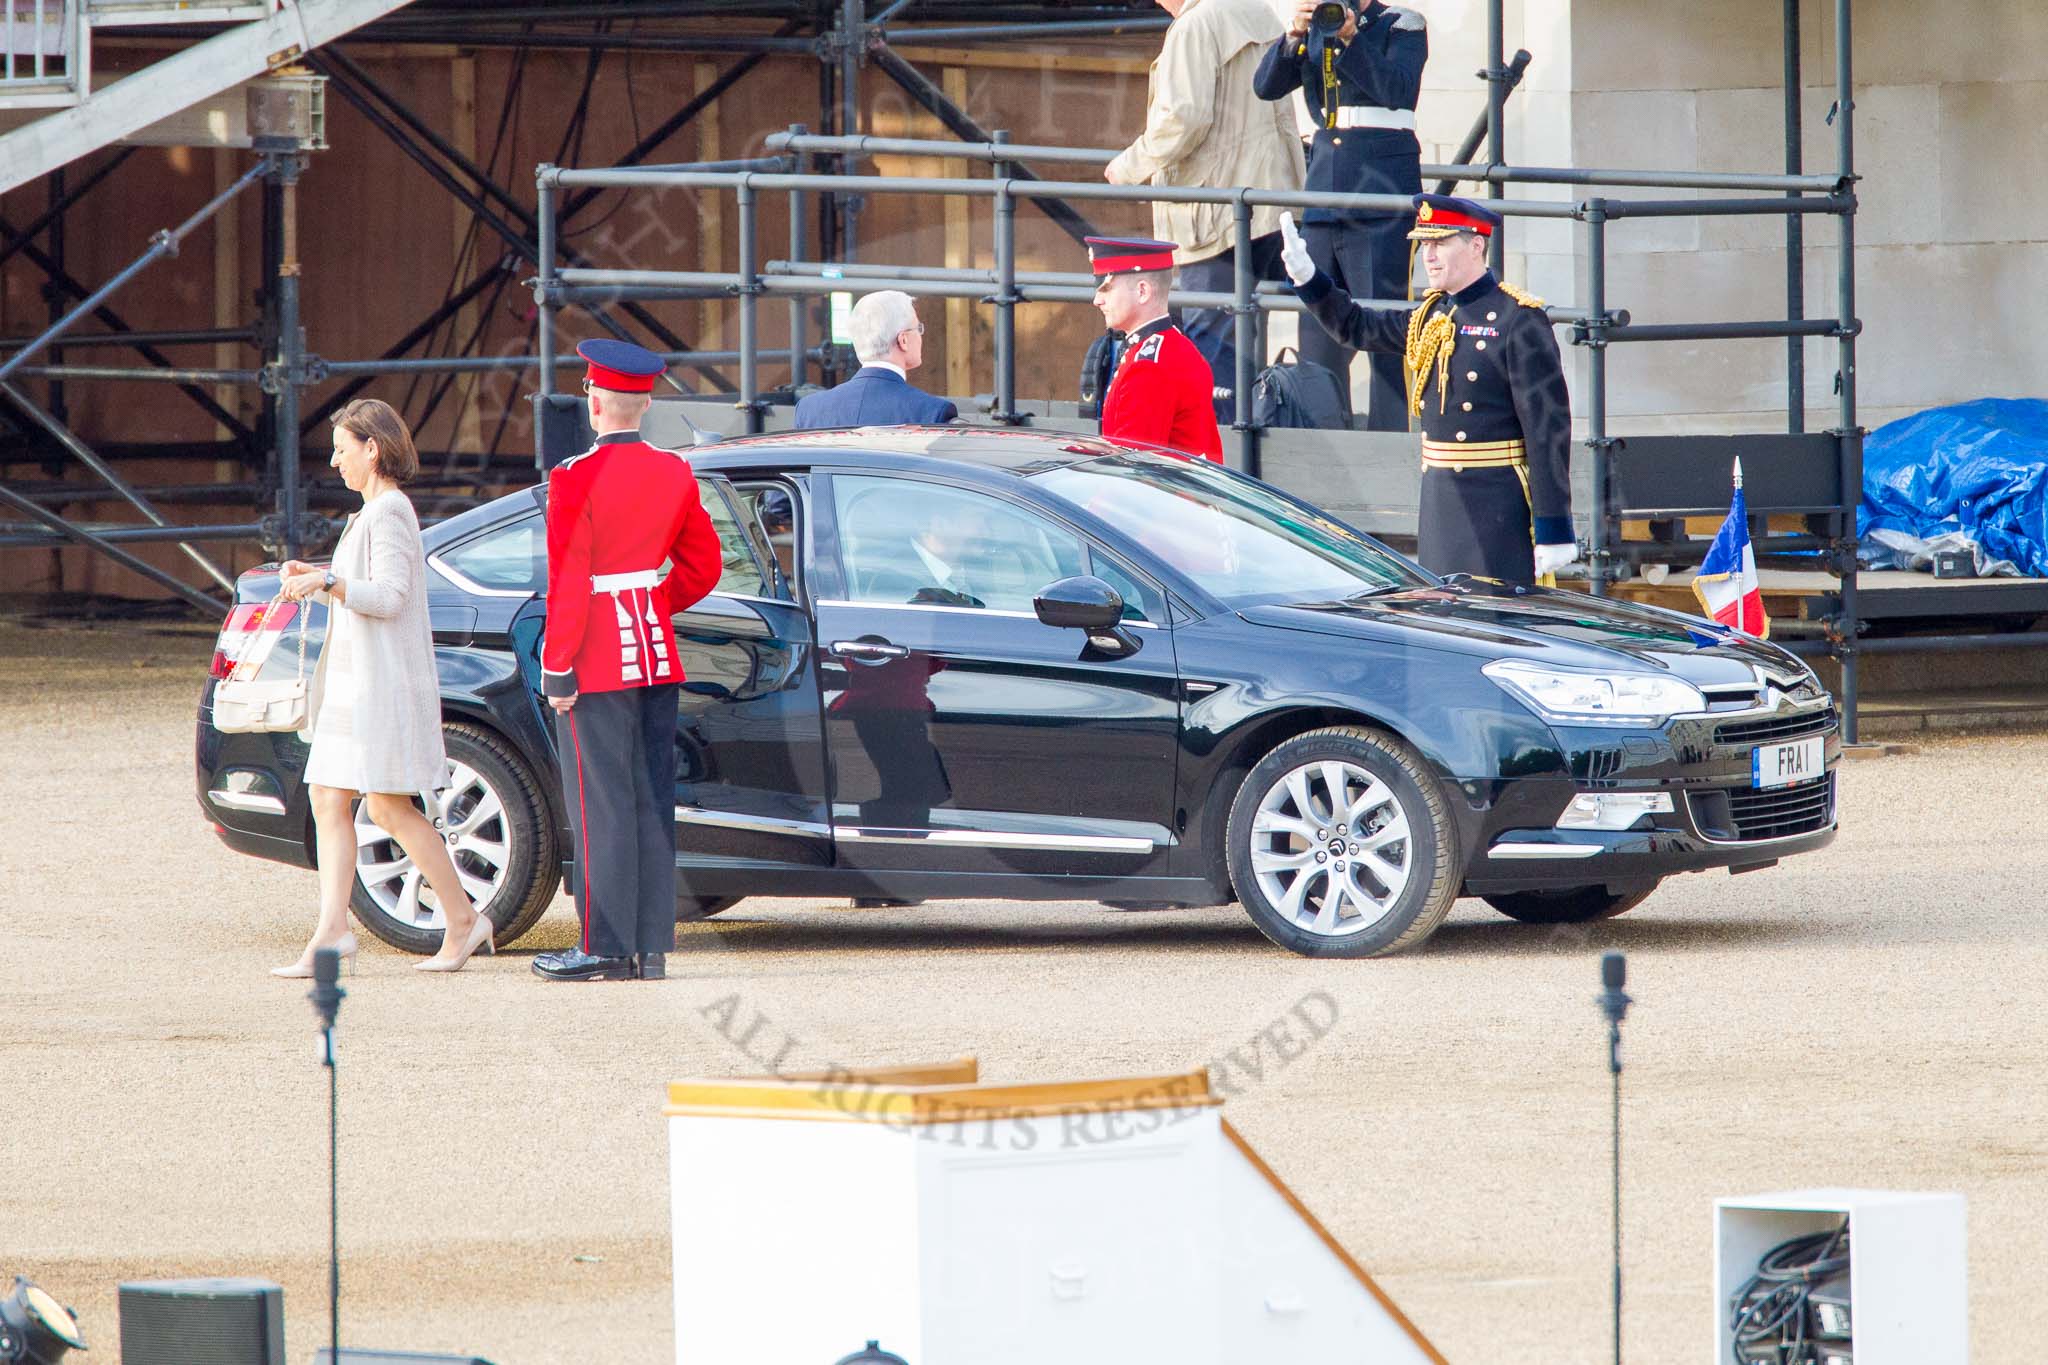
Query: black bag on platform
[1298,393]
[1098,367]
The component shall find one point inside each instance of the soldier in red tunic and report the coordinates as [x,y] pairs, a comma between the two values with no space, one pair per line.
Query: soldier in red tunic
[617,514]
[1162,390]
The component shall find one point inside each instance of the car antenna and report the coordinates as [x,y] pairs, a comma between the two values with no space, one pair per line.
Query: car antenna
[698,436]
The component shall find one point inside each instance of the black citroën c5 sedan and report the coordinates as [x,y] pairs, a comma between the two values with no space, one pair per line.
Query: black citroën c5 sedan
[962,663]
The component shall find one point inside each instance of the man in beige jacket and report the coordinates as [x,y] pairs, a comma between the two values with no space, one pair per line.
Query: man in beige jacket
[1206,126]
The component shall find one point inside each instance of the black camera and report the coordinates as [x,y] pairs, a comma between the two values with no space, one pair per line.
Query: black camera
[1329,17]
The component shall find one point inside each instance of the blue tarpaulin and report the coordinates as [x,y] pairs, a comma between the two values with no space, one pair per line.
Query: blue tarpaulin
[1973,476]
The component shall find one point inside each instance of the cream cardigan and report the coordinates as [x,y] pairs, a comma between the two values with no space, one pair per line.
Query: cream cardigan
[394,696]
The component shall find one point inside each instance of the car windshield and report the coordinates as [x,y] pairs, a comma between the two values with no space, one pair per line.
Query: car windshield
[1241,541]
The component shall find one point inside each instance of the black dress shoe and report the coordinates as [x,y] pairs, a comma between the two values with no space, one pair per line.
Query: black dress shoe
[653,966]
[573,964]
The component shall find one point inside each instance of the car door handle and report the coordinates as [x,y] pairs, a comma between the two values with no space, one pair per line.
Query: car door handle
[868,649]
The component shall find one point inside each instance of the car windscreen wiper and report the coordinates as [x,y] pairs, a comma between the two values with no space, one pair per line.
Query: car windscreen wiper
[1381,591]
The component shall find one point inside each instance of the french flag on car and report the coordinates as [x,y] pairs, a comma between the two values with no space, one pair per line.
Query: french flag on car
[1726,583]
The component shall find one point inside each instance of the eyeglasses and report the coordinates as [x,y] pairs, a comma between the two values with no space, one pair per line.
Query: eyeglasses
[916,327]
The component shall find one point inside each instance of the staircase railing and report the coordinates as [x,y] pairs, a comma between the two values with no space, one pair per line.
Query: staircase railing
[40,46]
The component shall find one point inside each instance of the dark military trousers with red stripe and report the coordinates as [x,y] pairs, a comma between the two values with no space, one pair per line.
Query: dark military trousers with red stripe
[618,754]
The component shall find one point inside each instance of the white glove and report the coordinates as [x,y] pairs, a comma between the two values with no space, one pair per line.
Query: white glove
[1551,558]
[1294,252]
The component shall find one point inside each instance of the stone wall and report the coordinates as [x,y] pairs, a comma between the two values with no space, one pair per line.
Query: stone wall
[1950,246]
[1949,237]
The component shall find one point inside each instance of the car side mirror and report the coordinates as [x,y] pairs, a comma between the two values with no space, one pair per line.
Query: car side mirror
[1082,603]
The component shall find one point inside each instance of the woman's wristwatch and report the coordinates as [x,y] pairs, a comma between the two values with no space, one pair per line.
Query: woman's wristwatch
[327,581]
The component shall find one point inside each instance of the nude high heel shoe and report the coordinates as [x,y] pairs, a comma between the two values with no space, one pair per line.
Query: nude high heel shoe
[302,970]
[482,936]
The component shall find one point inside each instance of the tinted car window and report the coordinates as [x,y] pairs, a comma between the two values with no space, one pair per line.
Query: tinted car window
[1241,541]
[903,541]
[1141,602]
[741,572]
[512,557]
[772,506]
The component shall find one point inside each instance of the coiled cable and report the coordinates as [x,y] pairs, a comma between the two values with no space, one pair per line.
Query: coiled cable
[1769,1316]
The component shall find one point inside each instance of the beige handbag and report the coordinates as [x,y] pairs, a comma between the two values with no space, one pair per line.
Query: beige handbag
[241,706]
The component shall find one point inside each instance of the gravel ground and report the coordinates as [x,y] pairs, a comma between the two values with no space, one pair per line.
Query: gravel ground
[1864,1016]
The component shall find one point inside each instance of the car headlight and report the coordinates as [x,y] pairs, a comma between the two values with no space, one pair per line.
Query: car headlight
[1596,698]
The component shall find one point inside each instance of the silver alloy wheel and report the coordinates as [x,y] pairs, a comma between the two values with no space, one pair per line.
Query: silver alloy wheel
[1331,848]
[470,817]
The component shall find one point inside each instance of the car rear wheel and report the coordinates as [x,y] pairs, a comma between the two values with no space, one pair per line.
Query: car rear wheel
[690,908]
[1570,904]
[496,822]
[1341,845]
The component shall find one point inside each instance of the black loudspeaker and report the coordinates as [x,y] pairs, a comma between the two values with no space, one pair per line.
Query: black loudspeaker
[202,1322]
[351,1355]
[562,427]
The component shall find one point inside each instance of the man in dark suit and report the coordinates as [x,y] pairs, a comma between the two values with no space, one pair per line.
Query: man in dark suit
[889,340]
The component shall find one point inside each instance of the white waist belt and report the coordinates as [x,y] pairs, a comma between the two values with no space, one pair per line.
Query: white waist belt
[1368,116]
[621,582]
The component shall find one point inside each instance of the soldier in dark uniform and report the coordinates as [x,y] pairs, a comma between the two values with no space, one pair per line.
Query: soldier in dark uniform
[1161,390]
[616,514]
[1358,87]
[1484,375]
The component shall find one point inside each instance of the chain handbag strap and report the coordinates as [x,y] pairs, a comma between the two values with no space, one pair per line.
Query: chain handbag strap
[305,610]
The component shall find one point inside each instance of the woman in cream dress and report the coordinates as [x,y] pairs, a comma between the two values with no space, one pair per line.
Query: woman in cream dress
[376,699]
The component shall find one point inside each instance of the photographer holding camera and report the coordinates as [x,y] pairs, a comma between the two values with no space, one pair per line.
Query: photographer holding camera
[1359,70]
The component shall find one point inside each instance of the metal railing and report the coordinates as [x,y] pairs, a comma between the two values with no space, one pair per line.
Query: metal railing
[1595,324]
[39,43]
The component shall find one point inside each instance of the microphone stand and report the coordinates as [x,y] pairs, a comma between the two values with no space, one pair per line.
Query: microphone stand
[1614,1002]
[327,996]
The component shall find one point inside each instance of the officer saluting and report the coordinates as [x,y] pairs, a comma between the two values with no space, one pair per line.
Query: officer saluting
[616,514]
[1161,390]
[1484,376]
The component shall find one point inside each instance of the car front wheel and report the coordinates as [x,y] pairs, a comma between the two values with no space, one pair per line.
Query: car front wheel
[1569,905]
[496,825]
[1341,845]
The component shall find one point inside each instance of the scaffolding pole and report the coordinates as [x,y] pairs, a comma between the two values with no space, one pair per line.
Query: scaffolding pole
[841,37]
[86,456]
[163,243]
[78,535]
[1848,433]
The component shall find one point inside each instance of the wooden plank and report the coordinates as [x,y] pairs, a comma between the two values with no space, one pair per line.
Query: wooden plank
[469,433]
[959,254]
[1674,595]
[710,213]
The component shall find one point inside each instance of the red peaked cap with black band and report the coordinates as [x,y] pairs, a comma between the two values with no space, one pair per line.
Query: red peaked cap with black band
[1441,215]
[620,365]
[1128,255]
